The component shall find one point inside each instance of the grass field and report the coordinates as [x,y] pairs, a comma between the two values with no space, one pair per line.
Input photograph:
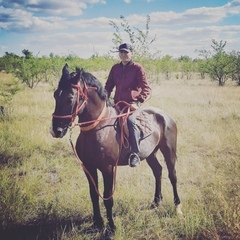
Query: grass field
[44,192]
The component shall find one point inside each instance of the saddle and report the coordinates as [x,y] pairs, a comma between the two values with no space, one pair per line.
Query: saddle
[144,122]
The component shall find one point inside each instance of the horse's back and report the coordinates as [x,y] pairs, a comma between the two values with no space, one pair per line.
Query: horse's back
[161,116]
[166,124]
[111,146]
[156,126]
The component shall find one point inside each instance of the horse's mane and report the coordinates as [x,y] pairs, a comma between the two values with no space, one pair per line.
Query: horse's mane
[92,81]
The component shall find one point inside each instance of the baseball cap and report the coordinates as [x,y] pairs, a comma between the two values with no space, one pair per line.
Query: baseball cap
[125,47]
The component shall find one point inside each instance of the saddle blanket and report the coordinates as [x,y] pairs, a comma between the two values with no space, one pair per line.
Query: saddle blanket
[145,123]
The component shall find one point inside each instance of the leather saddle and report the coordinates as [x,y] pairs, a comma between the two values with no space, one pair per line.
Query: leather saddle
[144,122]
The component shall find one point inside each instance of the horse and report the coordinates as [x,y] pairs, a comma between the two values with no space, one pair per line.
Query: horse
[99,145]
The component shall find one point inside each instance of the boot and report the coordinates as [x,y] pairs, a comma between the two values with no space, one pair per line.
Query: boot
[134,160]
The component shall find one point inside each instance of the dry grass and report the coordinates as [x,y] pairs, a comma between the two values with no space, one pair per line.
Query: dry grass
[41,181]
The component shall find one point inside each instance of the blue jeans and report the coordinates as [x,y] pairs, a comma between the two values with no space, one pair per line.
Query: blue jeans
[134,132]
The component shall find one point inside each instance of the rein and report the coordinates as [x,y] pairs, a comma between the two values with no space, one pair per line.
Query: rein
[93,123]
[124,117]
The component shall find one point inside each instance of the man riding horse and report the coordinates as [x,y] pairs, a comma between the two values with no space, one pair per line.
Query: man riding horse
[132,86]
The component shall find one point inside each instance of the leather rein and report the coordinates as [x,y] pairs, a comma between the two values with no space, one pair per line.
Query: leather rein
[92,124]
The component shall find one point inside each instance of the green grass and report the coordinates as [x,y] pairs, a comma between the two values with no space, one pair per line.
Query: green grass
[44,192]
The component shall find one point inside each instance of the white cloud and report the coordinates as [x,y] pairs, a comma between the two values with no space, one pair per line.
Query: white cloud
[233,7]
[51,7]
[94,23]
[175,43]
[82,44]
[17,20]
[186,41]
[178,33]
[190,16]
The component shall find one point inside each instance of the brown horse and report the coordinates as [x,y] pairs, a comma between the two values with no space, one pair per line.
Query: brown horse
[99,144]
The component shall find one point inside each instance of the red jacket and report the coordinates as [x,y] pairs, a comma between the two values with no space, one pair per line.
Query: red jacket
[130,81]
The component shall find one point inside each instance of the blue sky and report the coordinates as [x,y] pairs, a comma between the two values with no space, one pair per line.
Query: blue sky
[81,27]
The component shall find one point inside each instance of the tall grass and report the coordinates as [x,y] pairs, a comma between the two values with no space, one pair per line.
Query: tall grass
[44,192]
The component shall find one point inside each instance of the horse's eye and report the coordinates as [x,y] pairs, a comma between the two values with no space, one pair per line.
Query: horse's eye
[70,100]
[57,93]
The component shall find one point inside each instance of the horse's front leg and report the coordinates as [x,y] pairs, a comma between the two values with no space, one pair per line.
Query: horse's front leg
[93,180]
[108,199]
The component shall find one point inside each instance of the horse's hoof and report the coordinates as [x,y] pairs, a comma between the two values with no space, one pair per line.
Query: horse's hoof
[99,225]
[111,227]
[154,205]
[109,232]
[179,210]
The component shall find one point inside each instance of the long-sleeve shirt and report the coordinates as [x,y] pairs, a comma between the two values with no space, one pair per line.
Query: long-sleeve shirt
[130,82]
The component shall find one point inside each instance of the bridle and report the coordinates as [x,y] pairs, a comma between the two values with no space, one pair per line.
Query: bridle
[81,92]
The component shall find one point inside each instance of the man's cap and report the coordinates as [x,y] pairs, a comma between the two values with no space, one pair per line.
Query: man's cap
[125,47]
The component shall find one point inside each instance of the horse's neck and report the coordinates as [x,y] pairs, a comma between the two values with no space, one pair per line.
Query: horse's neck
[93,111]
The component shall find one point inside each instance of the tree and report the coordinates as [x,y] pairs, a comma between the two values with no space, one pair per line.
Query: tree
[167,65]
[27,54]
[201,67]
[217,63]
[218,67]
[137,37]
[235,66]
[9,62]
[187,66]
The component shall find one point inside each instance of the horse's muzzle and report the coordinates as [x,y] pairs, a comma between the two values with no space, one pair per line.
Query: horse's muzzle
[58,132]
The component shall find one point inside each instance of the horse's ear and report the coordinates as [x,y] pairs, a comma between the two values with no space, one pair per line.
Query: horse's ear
[65,70]
[79,72]
[64,78]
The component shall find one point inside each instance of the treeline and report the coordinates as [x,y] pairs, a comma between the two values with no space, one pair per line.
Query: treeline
[216,64]
[33,70]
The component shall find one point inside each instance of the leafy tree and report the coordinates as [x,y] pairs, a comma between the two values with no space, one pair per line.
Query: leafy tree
[25,72]
[200,67]
[217,63]
[235,66]
[184,59]
[8,88]
[27,54]
[31,70]
[55,64]
[9,62]
[187,66]
[167,65]
[137,37]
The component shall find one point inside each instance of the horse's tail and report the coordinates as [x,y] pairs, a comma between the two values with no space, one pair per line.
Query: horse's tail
[169,128]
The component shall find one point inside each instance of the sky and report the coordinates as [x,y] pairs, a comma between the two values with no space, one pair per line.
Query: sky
[81,27]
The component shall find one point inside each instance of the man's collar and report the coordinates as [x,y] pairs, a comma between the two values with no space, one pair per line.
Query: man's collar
[130,62]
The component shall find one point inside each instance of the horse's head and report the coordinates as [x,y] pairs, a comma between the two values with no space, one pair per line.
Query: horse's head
[69,101]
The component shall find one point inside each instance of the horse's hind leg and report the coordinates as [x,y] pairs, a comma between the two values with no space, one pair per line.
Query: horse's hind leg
[168,149]
[157,172]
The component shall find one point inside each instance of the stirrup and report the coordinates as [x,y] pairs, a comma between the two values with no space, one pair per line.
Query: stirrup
[134,160]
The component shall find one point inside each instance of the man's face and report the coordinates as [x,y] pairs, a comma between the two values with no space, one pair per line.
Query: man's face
[125,56]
